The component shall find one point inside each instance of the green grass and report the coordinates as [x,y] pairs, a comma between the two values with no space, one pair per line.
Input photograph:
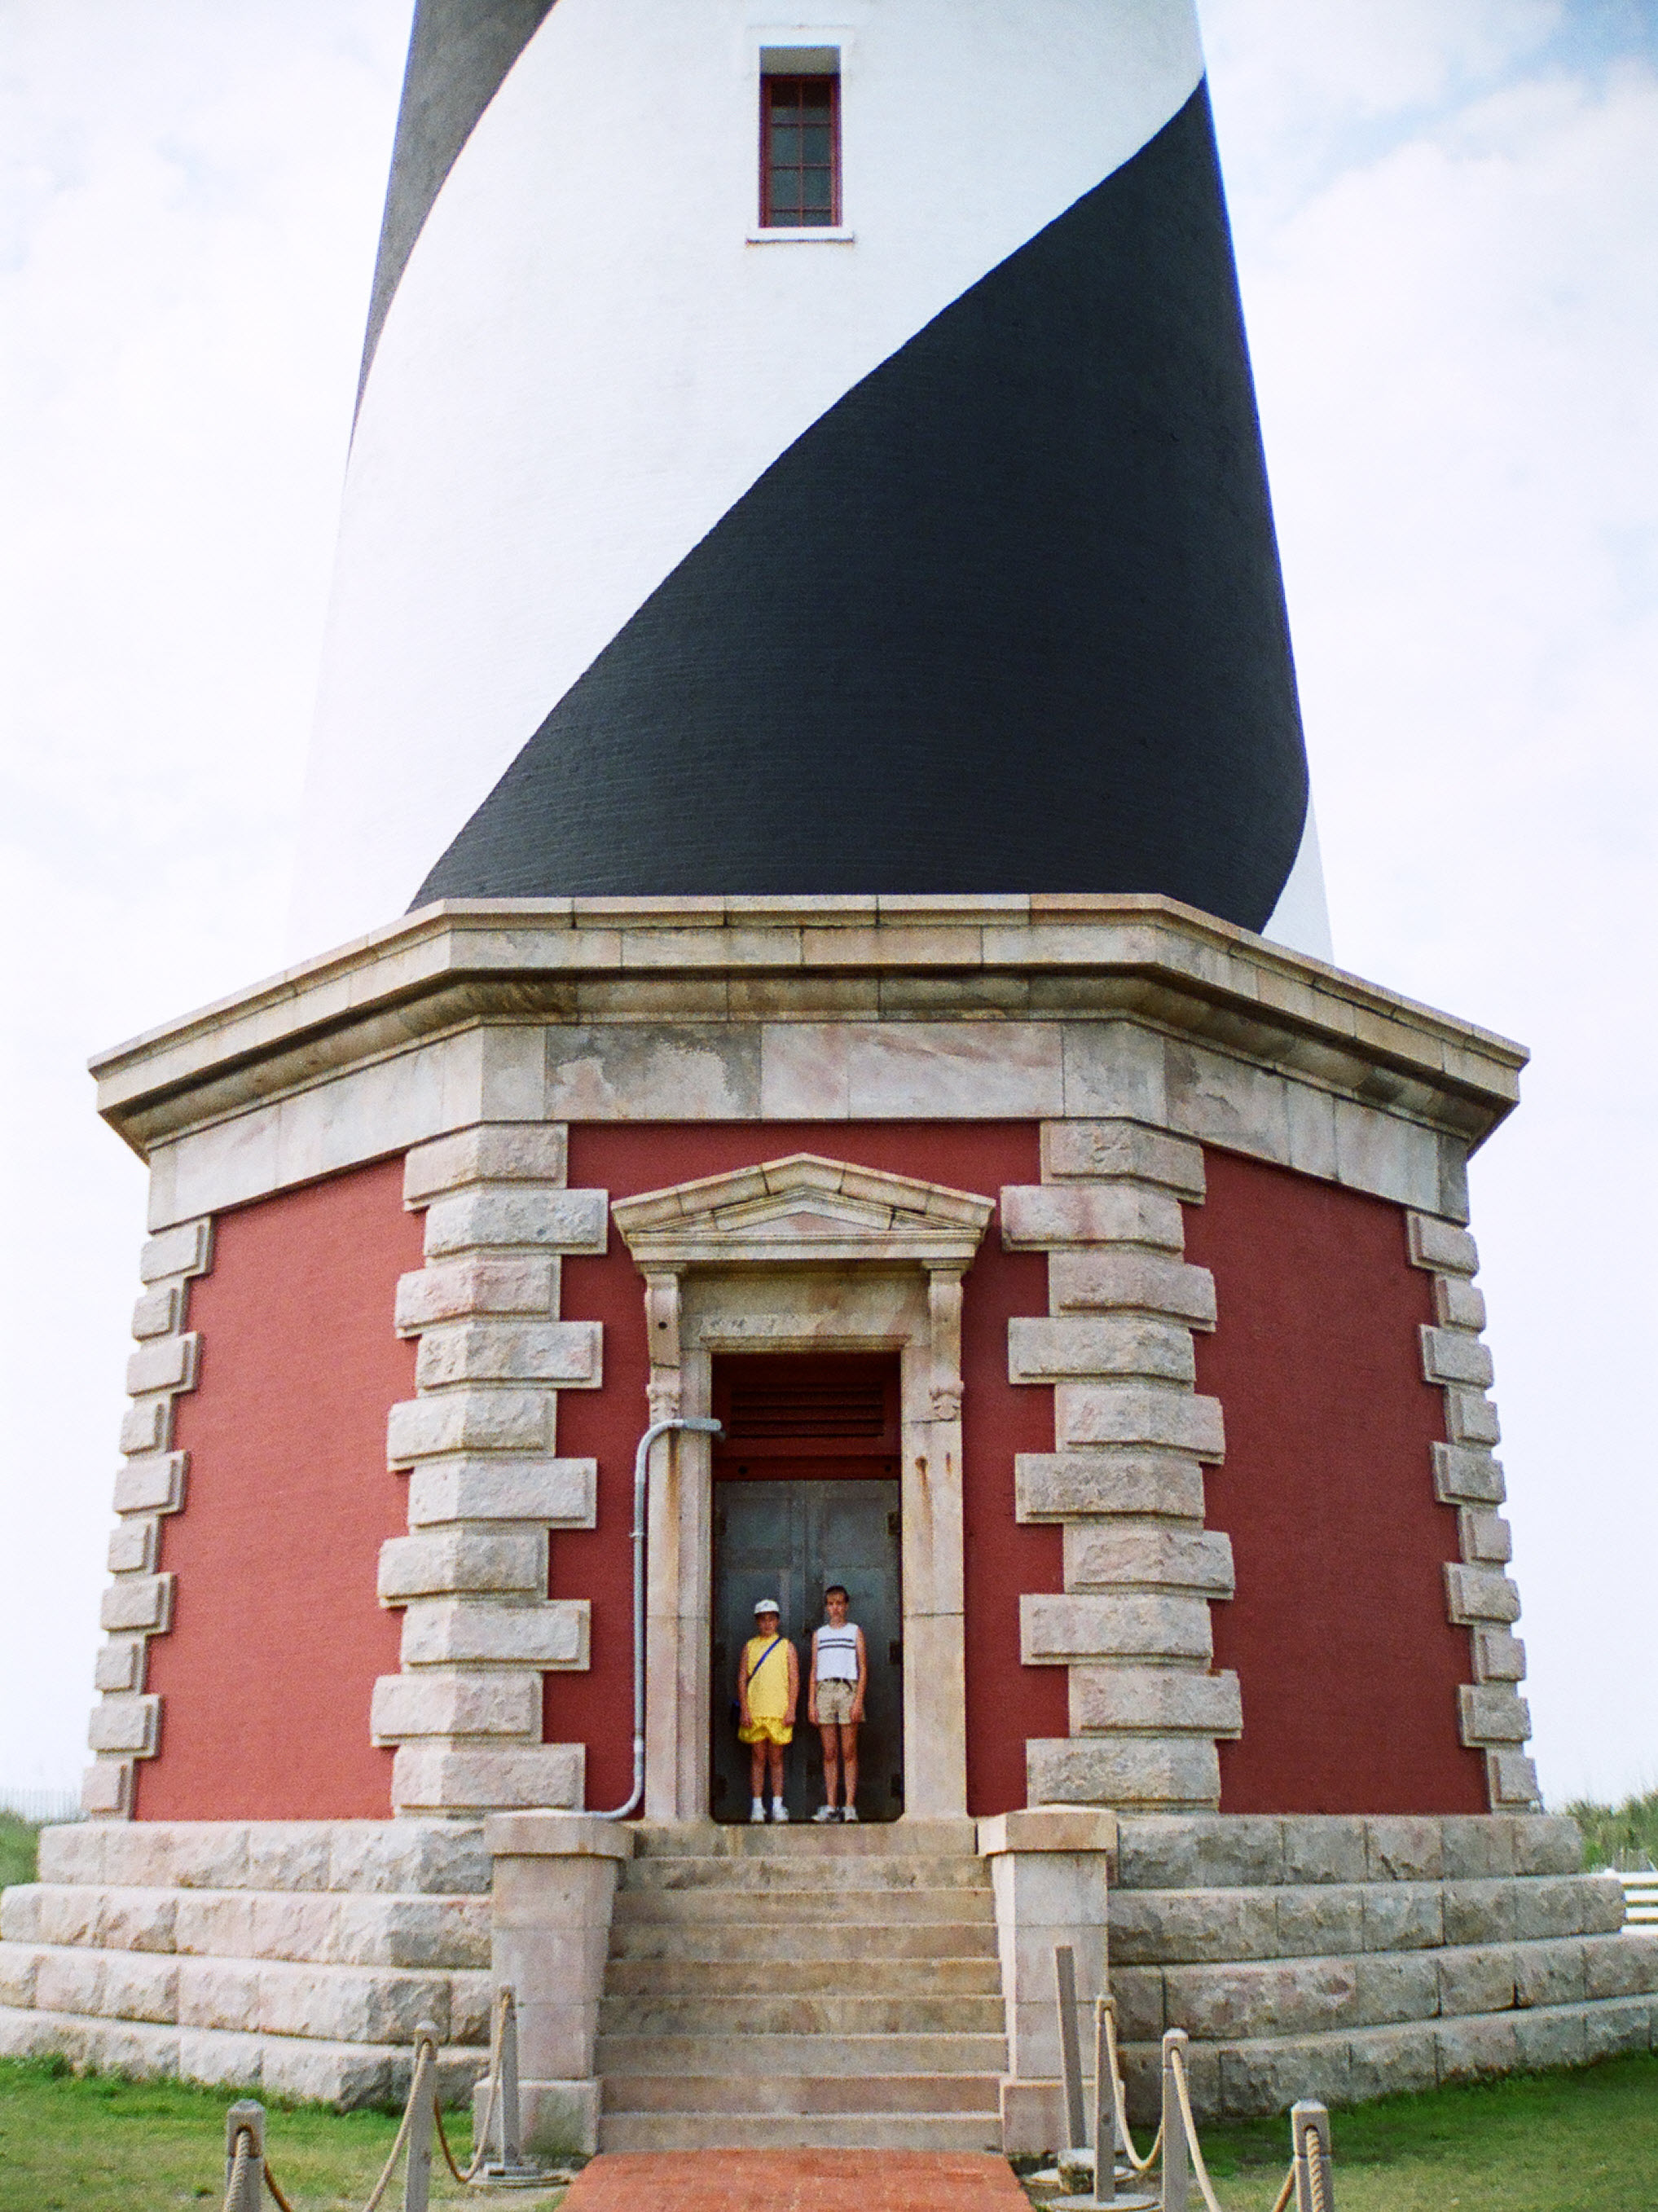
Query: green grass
[1541,2142]
[97,2143]
[18,1841]
[1618,1834]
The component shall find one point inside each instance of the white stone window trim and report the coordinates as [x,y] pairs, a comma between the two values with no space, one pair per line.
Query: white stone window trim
[829,234]
[803,1254]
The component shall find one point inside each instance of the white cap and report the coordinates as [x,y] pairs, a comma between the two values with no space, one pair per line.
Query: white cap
[769,1604]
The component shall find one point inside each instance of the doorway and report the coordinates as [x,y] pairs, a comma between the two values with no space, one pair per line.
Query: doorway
[807,1492]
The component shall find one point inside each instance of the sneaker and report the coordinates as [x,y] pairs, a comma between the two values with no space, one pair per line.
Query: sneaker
[851,1813]
[757,1810]
[780,1811]
[827,1813]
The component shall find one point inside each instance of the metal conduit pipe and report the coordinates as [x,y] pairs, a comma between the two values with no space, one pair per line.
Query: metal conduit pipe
[641,1487]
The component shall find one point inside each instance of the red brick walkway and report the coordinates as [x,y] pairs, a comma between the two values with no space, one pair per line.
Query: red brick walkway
[796,2181]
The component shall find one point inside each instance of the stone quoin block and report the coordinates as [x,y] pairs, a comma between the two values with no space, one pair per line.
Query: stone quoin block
[539,1775]
[1452,1355]
[1492,1713]
[159,1312]
[457,1289]
[152,1484]
[553,1220]
[533,1152]
[1486,1538]
[134,1545]
[1108,1557]
[1122,1770]
[184,1249]
[1037,1217]
[107,1789]
[1041,1351]
[561,1493]
[1158,1699]
[470,1420]
[1107,1479]
[1471,1418]
[1135,1414]
[566,1352]
[119,1664]
[126,1725]
[1441,1246]
[1055,1630]
[1480,1594]
[1133,1280]
[138,1602]
[430,1703]
[1498,1656]
[1465,1475]
[553,1634]
[170,1363]
[431,1564]
[1513,1779]
[1457,1304]
[1089,1151]
[147,1425]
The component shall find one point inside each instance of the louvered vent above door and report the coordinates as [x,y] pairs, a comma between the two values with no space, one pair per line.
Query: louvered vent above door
[791,1405]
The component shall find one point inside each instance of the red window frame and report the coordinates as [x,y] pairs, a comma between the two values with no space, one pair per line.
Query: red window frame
[787,185]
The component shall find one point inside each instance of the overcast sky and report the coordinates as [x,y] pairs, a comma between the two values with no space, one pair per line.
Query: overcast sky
[1446,221]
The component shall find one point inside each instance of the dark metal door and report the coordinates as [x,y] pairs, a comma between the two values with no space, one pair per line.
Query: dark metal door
[786,1539]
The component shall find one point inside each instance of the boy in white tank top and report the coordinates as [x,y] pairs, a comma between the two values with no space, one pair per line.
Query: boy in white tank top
[835,1701]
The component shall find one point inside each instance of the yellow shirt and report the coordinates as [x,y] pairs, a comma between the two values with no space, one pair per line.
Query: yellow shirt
[768,1689]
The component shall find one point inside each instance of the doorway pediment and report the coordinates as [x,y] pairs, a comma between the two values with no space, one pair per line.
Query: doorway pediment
[803,1208]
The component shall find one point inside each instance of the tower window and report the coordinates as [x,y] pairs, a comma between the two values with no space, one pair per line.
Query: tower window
[800,151]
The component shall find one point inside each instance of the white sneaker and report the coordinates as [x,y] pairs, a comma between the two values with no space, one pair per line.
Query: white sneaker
[851,1813]
[827,1813]
[780,1811]
[757,1810]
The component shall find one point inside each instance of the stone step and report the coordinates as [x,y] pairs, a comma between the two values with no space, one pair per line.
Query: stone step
[862,1875]
[776,2093]
[787,1941]
[745,1975]
[806,1838]
[338,1929]
[785,2013]
[673,2053]
[620,2131]
[822,1907]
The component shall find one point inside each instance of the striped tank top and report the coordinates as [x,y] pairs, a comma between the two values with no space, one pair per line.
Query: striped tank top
[837,1653]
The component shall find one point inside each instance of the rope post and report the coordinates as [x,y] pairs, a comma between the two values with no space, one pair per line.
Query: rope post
[1176,2163]
[1310,2139]
[423,2107]
[244,2156]
[512,2133]
[1071,2063]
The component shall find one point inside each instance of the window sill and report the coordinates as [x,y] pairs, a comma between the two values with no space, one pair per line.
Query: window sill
[804,234]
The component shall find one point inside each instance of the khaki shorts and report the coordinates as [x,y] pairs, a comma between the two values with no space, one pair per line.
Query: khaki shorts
[835,1703]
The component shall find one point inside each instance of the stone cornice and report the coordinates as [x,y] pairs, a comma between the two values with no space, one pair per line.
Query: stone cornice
[1036,958]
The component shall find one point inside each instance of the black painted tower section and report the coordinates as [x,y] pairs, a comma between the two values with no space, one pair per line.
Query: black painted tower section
[1009,617]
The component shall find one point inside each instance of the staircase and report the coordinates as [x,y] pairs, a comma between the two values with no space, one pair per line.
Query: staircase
[820,1988]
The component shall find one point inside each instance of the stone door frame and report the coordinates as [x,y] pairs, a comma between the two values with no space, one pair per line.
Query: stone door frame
[805,1255]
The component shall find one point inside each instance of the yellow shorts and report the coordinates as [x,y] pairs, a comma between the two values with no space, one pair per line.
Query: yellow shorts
[765,1732]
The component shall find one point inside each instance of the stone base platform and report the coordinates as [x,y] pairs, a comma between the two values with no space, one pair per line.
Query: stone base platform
[294,1957]
[1345,1959]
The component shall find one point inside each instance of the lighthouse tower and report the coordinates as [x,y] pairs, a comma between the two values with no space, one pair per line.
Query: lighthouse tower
[811,1059]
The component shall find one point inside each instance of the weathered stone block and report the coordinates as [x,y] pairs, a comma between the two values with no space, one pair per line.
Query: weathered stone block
[1041,1217]
[432,1565]
[501,1151]
[152,1484]
[1492,1713]
[1325,1847]
[1498,1656]
[430,1703]
[427,1779]
[1480,1594]
[1546,1844]
[1452,1355]
[1475,2049]
[1108,1479]
[1403,1916]
[159,1312]
[135,1601]
[1549,1973]
[1161,1698]
[1457,1304]
[1109,1557]
[1231,2002]
[107,1788]
[1621,1965]
[1481,1913]
[552,1634]
[1137,1625]
[1549,2038]
[1102,1150]
[1471,1418]
[1132,1278]
[140,1987]
[1610,2029]
[1140,1996]
[549,1220]
[1394,1985]
[1139,1413]
[170,1363]
[1122,1770]
[147,1426]
[1465,1476]
[1325,1919]
[126,1725]
[470,1421]
[133,1547]
[1511,1779]
[559,1493]
[1197,1852]
[451,1290]
[1264,2076]
[1040,1351]
[19,1917]
[1172,1926]
[1486,1537]
[1387,2062]
[184,1249]
[1441,1245]
[567,1353]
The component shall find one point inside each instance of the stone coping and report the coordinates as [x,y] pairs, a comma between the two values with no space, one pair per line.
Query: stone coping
[556,1836]
[1049,1828]
[1040,957]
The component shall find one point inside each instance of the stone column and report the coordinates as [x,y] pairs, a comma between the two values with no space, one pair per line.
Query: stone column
[485,1488]
[1479,1597]
[553,1885]
[1049,1868]
[1127,1480]
[126,1723]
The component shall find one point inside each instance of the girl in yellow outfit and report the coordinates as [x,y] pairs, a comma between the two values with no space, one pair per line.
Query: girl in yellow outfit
[768,1692]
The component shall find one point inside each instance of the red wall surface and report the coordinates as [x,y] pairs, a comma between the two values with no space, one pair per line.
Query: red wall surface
[1007,1701]
[1348,1665]
[277,1635]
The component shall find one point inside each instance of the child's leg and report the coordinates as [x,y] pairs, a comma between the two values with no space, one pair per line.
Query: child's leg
[848,1734]
[830,1737]
[758,1768]
[775,1753]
